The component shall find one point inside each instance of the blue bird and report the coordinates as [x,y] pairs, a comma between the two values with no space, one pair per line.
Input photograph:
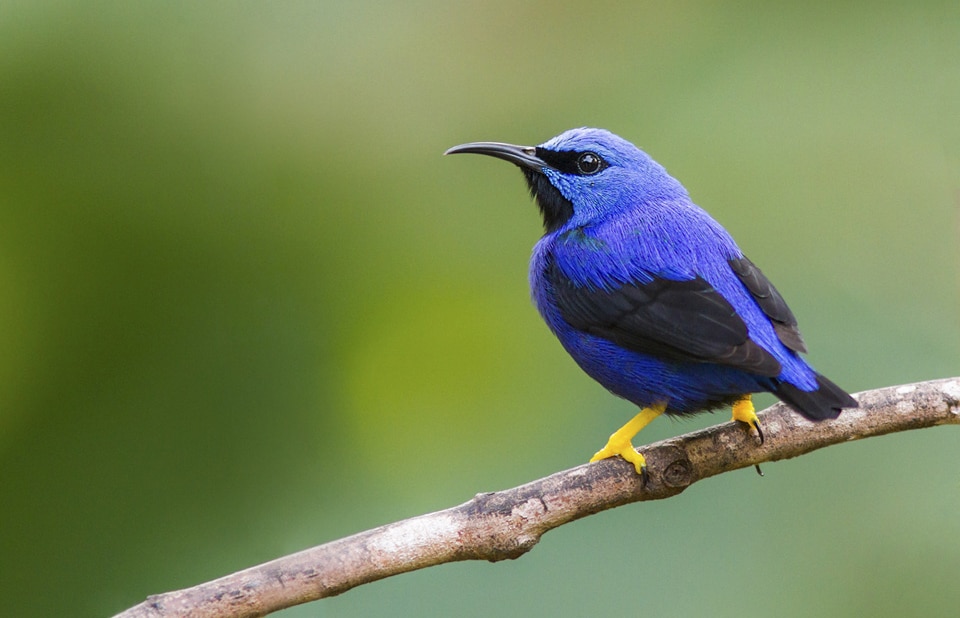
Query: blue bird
[650,295]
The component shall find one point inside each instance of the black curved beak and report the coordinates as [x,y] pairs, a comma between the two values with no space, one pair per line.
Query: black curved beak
[523,156]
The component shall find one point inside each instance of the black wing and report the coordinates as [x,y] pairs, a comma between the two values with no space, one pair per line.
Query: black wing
[676,320]
[770,302]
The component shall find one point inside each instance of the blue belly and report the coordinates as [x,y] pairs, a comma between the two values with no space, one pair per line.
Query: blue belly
[686,388]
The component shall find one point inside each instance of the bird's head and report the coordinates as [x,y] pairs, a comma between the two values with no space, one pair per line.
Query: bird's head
[583,175]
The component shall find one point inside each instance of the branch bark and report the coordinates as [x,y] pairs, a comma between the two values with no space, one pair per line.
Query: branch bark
[507,524]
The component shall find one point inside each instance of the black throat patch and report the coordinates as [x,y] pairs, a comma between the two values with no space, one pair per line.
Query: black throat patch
[555,209]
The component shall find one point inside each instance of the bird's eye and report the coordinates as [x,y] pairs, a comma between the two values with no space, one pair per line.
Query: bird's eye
[589,163]
[576,163]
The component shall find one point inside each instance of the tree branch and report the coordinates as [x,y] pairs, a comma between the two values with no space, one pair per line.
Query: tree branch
[507,524]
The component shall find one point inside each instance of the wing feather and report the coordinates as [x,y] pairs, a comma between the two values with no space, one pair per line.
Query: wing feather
[687,321]
[770,301]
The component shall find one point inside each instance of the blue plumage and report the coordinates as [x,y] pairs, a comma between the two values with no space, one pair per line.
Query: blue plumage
[650,295]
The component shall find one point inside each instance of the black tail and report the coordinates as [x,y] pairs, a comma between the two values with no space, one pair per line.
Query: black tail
[817,405]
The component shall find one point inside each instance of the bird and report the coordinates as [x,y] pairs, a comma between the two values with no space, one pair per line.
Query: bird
[650,295]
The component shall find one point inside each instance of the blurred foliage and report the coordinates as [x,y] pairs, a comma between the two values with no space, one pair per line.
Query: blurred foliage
[246,307]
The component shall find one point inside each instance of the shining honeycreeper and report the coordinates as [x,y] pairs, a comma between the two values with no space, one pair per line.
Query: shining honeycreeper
[652,297]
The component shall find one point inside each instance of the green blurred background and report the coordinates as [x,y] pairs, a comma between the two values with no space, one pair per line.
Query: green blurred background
[246,306]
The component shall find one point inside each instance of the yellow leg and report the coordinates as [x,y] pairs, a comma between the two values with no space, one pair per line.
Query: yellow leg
[619,442]
[744,412]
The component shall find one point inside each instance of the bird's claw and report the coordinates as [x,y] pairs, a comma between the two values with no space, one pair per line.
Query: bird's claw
[627,452]
[744,412]
[619,442]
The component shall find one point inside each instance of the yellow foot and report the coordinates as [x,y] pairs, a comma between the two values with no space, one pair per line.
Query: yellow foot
[619,443]
[625,450]
[744,412]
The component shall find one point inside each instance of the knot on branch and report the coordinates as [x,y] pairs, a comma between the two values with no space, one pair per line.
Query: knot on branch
[678,473]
